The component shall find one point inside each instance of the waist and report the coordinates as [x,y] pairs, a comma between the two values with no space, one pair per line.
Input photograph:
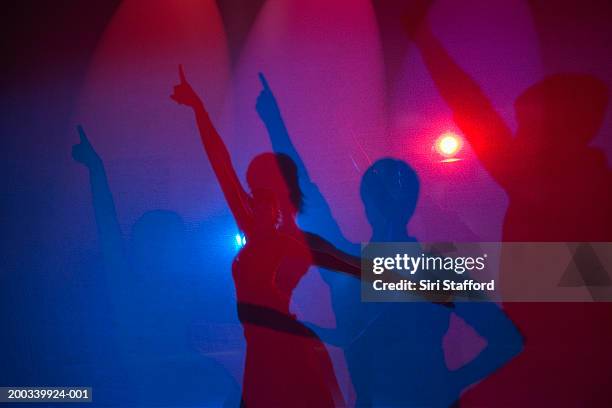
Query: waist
[266,317]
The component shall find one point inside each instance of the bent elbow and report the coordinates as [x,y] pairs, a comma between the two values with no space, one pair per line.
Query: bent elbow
[516,343]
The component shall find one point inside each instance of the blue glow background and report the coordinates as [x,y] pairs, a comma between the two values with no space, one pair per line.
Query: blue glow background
[350,86]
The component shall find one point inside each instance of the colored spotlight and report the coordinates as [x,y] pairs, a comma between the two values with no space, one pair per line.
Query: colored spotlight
[448,144]
[240,240]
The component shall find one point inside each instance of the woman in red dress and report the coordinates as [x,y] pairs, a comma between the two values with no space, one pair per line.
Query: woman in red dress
[286,363]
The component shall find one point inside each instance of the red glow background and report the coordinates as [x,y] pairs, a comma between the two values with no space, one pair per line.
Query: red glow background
[349,83]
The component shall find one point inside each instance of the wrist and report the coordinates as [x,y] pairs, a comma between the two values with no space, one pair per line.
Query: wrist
[198,106]
[95,165]
[422,33]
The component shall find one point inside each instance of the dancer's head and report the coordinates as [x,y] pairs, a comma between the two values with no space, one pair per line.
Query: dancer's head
[389,191]
[273,180]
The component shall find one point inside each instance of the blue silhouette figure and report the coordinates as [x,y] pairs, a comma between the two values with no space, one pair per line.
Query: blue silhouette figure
[150,280]
[394,350]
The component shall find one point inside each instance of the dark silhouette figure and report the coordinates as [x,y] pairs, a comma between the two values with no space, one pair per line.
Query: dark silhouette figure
[286,363]
[153,299]
[559,189]
[394,350]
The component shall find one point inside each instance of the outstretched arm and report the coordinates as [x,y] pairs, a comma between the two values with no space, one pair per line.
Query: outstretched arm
[217,152]
[326,255]
[269,112]
[473,112]
[109,231]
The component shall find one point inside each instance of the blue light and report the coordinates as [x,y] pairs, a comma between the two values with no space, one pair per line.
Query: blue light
[240,240]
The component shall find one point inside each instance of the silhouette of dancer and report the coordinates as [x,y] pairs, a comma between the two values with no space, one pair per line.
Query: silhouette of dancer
[154,303]
[559,190]
[286,364]
[393,351]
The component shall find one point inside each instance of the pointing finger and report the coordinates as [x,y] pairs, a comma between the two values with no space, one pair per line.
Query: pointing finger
[82,135]
[182,74]
[264,82]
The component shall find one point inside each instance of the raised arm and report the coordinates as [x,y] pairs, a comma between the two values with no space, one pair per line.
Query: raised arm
[326,255]
[217,153]
[318,208]
[488,134]
[109,231]
[270,114]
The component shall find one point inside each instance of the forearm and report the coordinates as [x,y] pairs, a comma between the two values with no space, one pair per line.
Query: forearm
[488,361]
[221,163]
[282,143]
[214,147]
[212,142]
[453,83]
[342,263]
[109,231]
[504,341]
[279,135]
[472,110]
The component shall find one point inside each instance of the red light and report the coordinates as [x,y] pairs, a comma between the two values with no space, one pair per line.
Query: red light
[448,145]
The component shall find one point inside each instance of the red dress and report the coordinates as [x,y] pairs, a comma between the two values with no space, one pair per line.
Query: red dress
[286,364]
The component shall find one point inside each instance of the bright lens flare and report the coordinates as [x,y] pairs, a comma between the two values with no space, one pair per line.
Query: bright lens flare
[240,240]
[448,144]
